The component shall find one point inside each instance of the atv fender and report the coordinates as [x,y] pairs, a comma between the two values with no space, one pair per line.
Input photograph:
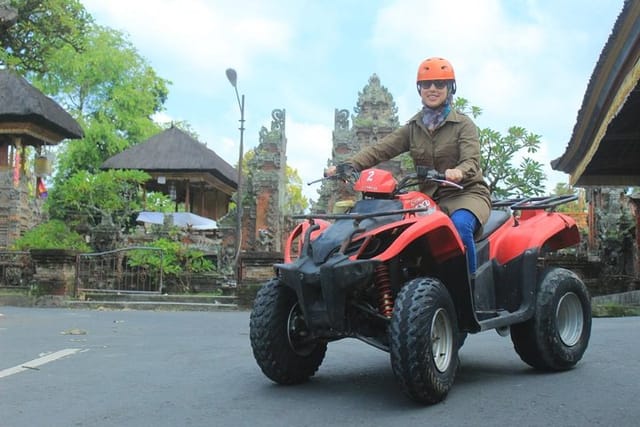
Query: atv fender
[441,243]
[298,233]
[550,230]
[438,233]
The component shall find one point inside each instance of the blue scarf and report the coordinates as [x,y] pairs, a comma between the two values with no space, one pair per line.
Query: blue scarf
[433,118]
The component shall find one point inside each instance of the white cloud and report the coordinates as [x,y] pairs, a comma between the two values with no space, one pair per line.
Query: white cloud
[198,35]
[524,63]
[162,118]
[308,149]
[488,50]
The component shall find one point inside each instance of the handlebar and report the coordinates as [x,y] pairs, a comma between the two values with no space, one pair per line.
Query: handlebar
[433,175]
[346,172]
[426,173]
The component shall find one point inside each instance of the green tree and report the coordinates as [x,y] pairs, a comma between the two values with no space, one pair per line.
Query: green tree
[183,125]
[111,90]
[295,202]
[564,189]
[159,202]
[42,27]
[90,198]
[497,154]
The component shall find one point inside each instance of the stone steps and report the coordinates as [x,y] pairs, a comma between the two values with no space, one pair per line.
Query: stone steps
[150,301]
[152,305]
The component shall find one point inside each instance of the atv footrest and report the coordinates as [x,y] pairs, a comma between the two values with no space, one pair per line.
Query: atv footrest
[492,319]
[489,314]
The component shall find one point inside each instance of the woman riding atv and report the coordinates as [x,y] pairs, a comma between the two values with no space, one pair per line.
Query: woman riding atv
[441,138]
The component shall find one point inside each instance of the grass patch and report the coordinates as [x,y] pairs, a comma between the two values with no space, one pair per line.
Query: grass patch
[614,310]
[14,291]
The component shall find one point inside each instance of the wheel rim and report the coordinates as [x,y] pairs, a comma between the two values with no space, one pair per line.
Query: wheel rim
[441,340]
[570,319]
[298,333]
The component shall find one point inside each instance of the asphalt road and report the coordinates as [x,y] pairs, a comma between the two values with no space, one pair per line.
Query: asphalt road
[61,367]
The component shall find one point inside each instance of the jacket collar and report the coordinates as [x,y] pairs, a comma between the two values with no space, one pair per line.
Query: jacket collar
[453,116]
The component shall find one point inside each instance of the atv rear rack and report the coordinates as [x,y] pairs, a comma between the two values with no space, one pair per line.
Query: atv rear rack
[532,203]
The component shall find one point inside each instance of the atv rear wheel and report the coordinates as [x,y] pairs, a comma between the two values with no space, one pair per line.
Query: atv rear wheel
[423,335]
[280,338]
[557,336]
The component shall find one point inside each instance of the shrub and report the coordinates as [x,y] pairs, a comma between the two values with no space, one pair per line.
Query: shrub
[612,309]
[177,261]
[53,234]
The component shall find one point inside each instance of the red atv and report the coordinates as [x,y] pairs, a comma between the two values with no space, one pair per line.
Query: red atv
[392,272]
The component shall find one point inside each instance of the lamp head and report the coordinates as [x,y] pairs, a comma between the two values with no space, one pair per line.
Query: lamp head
[232,76]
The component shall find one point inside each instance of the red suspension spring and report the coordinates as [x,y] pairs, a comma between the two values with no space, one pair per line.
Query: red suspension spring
[383,283]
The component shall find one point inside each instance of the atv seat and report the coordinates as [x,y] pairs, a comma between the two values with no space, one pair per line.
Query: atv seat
[496,219]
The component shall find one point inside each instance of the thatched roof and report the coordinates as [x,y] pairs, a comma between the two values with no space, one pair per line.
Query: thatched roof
[173,151]
[604,148]
[23,103]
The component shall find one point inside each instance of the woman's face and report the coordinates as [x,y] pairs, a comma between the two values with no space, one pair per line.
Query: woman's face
[433,92]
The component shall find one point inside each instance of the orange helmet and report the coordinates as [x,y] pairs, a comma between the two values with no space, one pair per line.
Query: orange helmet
[435,69]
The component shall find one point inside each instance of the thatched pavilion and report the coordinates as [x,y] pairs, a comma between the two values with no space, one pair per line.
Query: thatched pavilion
[183,168]
[604,149]
[28,118]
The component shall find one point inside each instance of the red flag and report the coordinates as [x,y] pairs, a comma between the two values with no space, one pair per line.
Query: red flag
[42,189]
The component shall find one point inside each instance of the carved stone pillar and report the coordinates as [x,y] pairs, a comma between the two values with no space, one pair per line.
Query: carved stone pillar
[264,221]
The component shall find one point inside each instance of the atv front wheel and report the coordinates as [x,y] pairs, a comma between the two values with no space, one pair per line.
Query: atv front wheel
[557,336]
[280,338]
[423,335]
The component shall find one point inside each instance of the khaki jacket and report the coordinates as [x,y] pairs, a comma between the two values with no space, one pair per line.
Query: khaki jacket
[454,145]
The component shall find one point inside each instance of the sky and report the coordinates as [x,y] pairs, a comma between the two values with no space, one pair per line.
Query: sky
[524,62]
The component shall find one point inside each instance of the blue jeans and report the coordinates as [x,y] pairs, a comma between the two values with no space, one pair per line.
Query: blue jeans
[466,223]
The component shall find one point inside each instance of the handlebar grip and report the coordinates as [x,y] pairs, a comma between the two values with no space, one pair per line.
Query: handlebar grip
[425,172]
[343,169]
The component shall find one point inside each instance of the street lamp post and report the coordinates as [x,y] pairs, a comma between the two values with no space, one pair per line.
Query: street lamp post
[233,79]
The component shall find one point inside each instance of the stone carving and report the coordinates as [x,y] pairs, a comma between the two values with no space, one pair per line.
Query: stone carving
[277,124]
[266,185]
[265,240]
[376,116]
[341,119]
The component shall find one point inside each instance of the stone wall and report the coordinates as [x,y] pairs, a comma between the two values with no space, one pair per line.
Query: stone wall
[19,209]
[55,271]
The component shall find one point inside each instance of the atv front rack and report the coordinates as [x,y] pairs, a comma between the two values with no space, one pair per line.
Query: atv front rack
[359,217]
[533,203]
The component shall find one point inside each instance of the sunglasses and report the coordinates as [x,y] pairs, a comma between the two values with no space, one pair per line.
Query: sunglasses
[426,84]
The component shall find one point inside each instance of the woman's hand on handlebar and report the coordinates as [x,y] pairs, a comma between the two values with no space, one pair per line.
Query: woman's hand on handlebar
[453,175]
[330,171]
[341,170]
